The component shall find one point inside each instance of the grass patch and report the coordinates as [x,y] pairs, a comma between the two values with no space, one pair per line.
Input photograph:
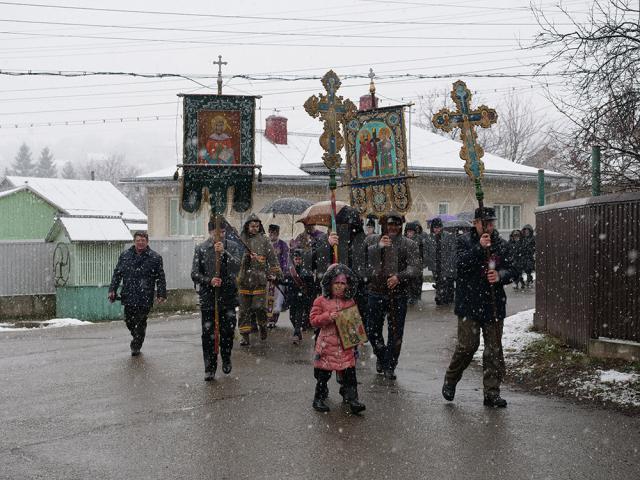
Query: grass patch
[549,366]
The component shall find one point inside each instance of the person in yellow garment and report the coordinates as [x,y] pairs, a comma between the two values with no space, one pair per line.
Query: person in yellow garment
[259,265]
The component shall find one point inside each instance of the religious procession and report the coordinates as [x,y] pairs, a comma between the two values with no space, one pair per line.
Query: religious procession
[348,279]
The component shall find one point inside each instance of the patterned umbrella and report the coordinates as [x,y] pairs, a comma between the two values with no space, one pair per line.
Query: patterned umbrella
[320,213]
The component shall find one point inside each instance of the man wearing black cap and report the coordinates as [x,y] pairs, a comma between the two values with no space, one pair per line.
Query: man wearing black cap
[440,258]
[484,267]
[204,274]
[394,262]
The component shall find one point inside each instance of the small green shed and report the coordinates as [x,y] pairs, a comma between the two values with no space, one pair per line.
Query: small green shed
[87,250]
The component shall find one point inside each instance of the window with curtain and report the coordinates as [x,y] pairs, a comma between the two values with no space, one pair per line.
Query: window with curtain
[443,208]
[185,224]
[508,217]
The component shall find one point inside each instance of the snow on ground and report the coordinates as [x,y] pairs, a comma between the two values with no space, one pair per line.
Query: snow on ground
[427,286]
[516,334]
[53,323]
[604,385]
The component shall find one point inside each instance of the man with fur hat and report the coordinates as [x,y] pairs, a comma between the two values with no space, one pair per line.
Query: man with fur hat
[259,265]
[484,267]
[206,276]
[440,259]
[394,262]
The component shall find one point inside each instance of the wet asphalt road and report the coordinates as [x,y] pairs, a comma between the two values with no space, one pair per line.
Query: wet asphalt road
[75,405]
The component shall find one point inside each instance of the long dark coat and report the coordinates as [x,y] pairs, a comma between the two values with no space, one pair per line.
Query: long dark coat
[447,254]
[473,291]
[140,274]
[528,249]
[203,269]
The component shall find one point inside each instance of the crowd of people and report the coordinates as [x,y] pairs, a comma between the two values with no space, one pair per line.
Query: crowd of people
[251,277]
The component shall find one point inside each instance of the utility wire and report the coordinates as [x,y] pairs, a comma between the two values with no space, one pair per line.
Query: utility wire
[260,17]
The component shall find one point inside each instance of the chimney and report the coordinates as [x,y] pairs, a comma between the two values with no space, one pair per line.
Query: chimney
[365,102]
[276,129]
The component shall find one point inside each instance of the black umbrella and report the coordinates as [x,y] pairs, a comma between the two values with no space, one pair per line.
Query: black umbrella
[287,206]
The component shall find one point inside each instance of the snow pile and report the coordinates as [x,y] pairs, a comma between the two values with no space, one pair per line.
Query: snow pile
[606,386]
[516,334]
[53,323]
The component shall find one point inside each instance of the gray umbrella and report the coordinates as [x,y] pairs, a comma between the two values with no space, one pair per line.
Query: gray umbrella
[287,206]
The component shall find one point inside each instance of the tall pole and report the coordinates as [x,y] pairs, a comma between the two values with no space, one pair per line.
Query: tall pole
[540,187]
[595,171]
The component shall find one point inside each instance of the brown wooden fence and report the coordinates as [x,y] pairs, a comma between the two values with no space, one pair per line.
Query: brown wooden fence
[588,284]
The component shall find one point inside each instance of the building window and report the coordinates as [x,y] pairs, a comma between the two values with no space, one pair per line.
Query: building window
[181,223]
[443,208]
[508,217]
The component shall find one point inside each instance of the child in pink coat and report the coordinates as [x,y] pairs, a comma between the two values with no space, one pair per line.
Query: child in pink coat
[337,292]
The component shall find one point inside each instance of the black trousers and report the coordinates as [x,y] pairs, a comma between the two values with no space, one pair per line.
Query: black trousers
[347,379]
[227,323]
[135,317]
[445,290]
[299,314]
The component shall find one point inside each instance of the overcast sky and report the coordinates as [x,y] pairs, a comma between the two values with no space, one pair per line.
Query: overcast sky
[94,116]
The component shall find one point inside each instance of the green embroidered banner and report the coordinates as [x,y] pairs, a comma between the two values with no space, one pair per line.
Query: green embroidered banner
[219,149]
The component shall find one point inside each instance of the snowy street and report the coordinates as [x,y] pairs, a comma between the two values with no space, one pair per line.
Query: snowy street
[76,405]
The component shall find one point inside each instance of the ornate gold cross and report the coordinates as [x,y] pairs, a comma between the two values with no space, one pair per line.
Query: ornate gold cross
[333,111]
[466,119]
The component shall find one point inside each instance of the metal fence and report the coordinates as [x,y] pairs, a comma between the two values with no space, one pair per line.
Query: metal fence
[26,267]
[588,284]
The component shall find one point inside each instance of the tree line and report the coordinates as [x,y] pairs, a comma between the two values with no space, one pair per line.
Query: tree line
[110,169]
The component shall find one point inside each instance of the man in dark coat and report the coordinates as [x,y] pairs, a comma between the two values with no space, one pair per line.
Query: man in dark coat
[140,270]
[300,288]
[484,267]
[440,259]
[204,274]
[412,231]
[517,256]
[528,252]
[394,262]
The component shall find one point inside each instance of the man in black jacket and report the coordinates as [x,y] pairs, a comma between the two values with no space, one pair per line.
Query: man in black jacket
[394,262]
[140,270]
[204,274]
[484,267]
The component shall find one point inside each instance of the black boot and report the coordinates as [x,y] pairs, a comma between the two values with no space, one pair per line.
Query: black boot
[495,401]
[448,391]
[322,391]
[210,357]
[226,365]
[349,391]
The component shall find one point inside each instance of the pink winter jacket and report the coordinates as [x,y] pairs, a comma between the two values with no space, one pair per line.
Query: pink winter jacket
[329,352]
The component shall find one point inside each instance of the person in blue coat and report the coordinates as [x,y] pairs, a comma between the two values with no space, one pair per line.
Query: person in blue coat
[484,267]
[141,273]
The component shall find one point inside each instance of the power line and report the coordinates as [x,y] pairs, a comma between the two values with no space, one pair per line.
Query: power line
[259,17]
[247,32]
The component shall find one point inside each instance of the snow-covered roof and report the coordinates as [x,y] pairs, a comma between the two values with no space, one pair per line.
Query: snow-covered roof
[432,151]
[81,197]
[135,227]
[81,229]
[429,154]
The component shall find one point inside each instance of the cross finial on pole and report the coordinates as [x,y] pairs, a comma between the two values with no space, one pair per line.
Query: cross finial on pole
[219,63]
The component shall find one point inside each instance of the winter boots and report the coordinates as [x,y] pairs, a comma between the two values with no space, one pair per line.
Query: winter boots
[322,392]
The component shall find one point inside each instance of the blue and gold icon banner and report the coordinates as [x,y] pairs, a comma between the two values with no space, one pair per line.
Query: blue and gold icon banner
[218,151]
[377,161]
